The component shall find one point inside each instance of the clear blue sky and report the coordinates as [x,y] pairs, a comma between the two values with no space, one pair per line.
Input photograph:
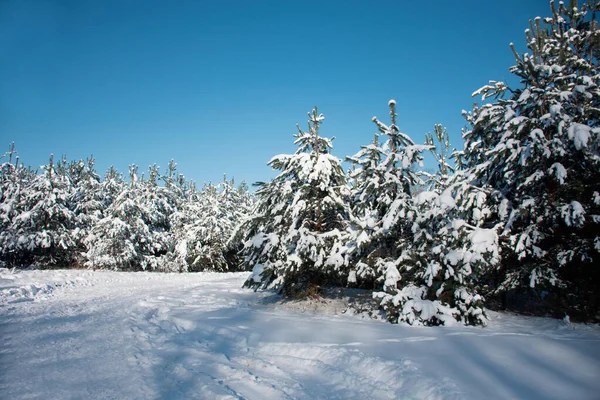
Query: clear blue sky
[220,85]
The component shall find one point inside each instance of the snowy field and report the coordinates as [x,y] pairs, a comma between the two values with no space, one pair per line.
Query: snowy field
[107,335]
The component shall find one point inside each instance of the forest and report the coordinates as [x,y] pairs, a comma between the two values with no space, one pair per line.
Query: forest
[511,220]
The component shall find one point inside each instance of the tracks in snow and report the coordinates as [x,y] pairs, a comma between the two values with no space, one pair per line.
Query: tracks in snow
[212,343]
[199,336]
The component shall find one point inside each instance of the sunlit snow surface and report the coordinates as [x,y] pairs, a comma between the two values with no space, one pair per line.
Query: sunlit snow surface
[109,335]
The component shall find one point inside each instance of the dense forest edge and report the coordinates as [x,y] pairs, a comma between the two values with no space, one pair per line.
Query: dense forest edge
[511,221]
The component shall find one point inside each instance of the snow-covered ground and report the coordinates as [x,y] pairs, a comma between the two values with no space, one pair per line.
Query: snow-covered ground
[107,335]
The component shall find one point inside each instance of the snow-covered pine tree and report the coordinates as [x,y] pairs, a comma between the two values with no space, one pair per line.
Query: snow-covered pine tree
[122,240]
[441,265]
[394,236]
[186,215]
[14,180]
[88,201]
[536,149]
[211,229]
[367,179]
[204,226]
[237,204]
[111,186]
[382,211]
[441,151]
[157,204]
[300,216]
[41,231]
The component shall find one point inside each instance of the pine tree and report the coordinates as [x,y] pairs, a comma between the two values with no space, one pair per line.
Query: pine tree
[536,151]
[416,246]
[439,142]
[367,180]
[205,225]
[382,211]
[88,202]
[449,251]
[122,240]
[14,182]
[237,204]
[211,229]
[41,231]
[300,216]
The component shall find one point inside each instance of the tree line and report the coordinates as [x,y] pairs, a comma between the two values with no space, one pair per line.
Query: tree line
[66,216]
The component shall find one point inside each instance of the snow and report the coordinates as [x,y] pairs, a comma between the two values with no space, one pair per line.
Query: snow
[559,172]
[573,214]
[426,197]
[580,135]
[100,335]
[484,240]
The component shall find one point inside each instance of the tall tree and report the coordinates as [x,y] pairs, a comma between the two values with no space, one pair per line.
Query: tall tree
[382,202]
[88,200]
[536,149]
[301,214]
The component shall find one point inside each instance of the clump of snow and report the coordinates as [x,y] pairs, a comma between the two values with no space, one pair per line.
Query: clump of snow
[559,171]
[573,213]
[256,273]
[580,135]
[484,240]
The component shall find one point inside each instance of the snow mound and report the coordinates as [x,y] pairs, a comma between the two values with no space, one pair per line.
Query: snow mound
[16,286]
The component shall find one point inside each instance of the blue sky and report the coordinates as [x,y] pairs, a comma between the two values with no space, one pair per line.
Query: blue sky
[219,86]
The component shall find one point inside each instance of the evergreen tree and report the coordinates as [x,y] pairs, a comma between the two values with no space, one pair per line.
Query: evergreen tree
[123,238]
[157,204]
[439,143]
[449,251]
[536,151]
[111,186]
[88,200]
[368,178]
[301,214]
[14,182]
[382,207]
[205,225]
[41,230]
[419,249]
[237,204]
[211,229]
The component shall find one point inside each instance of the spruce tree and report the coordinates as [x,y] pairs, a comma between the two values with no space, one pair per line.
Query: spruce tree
[14,183]
[205,226]
[439,142]
[88,201]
